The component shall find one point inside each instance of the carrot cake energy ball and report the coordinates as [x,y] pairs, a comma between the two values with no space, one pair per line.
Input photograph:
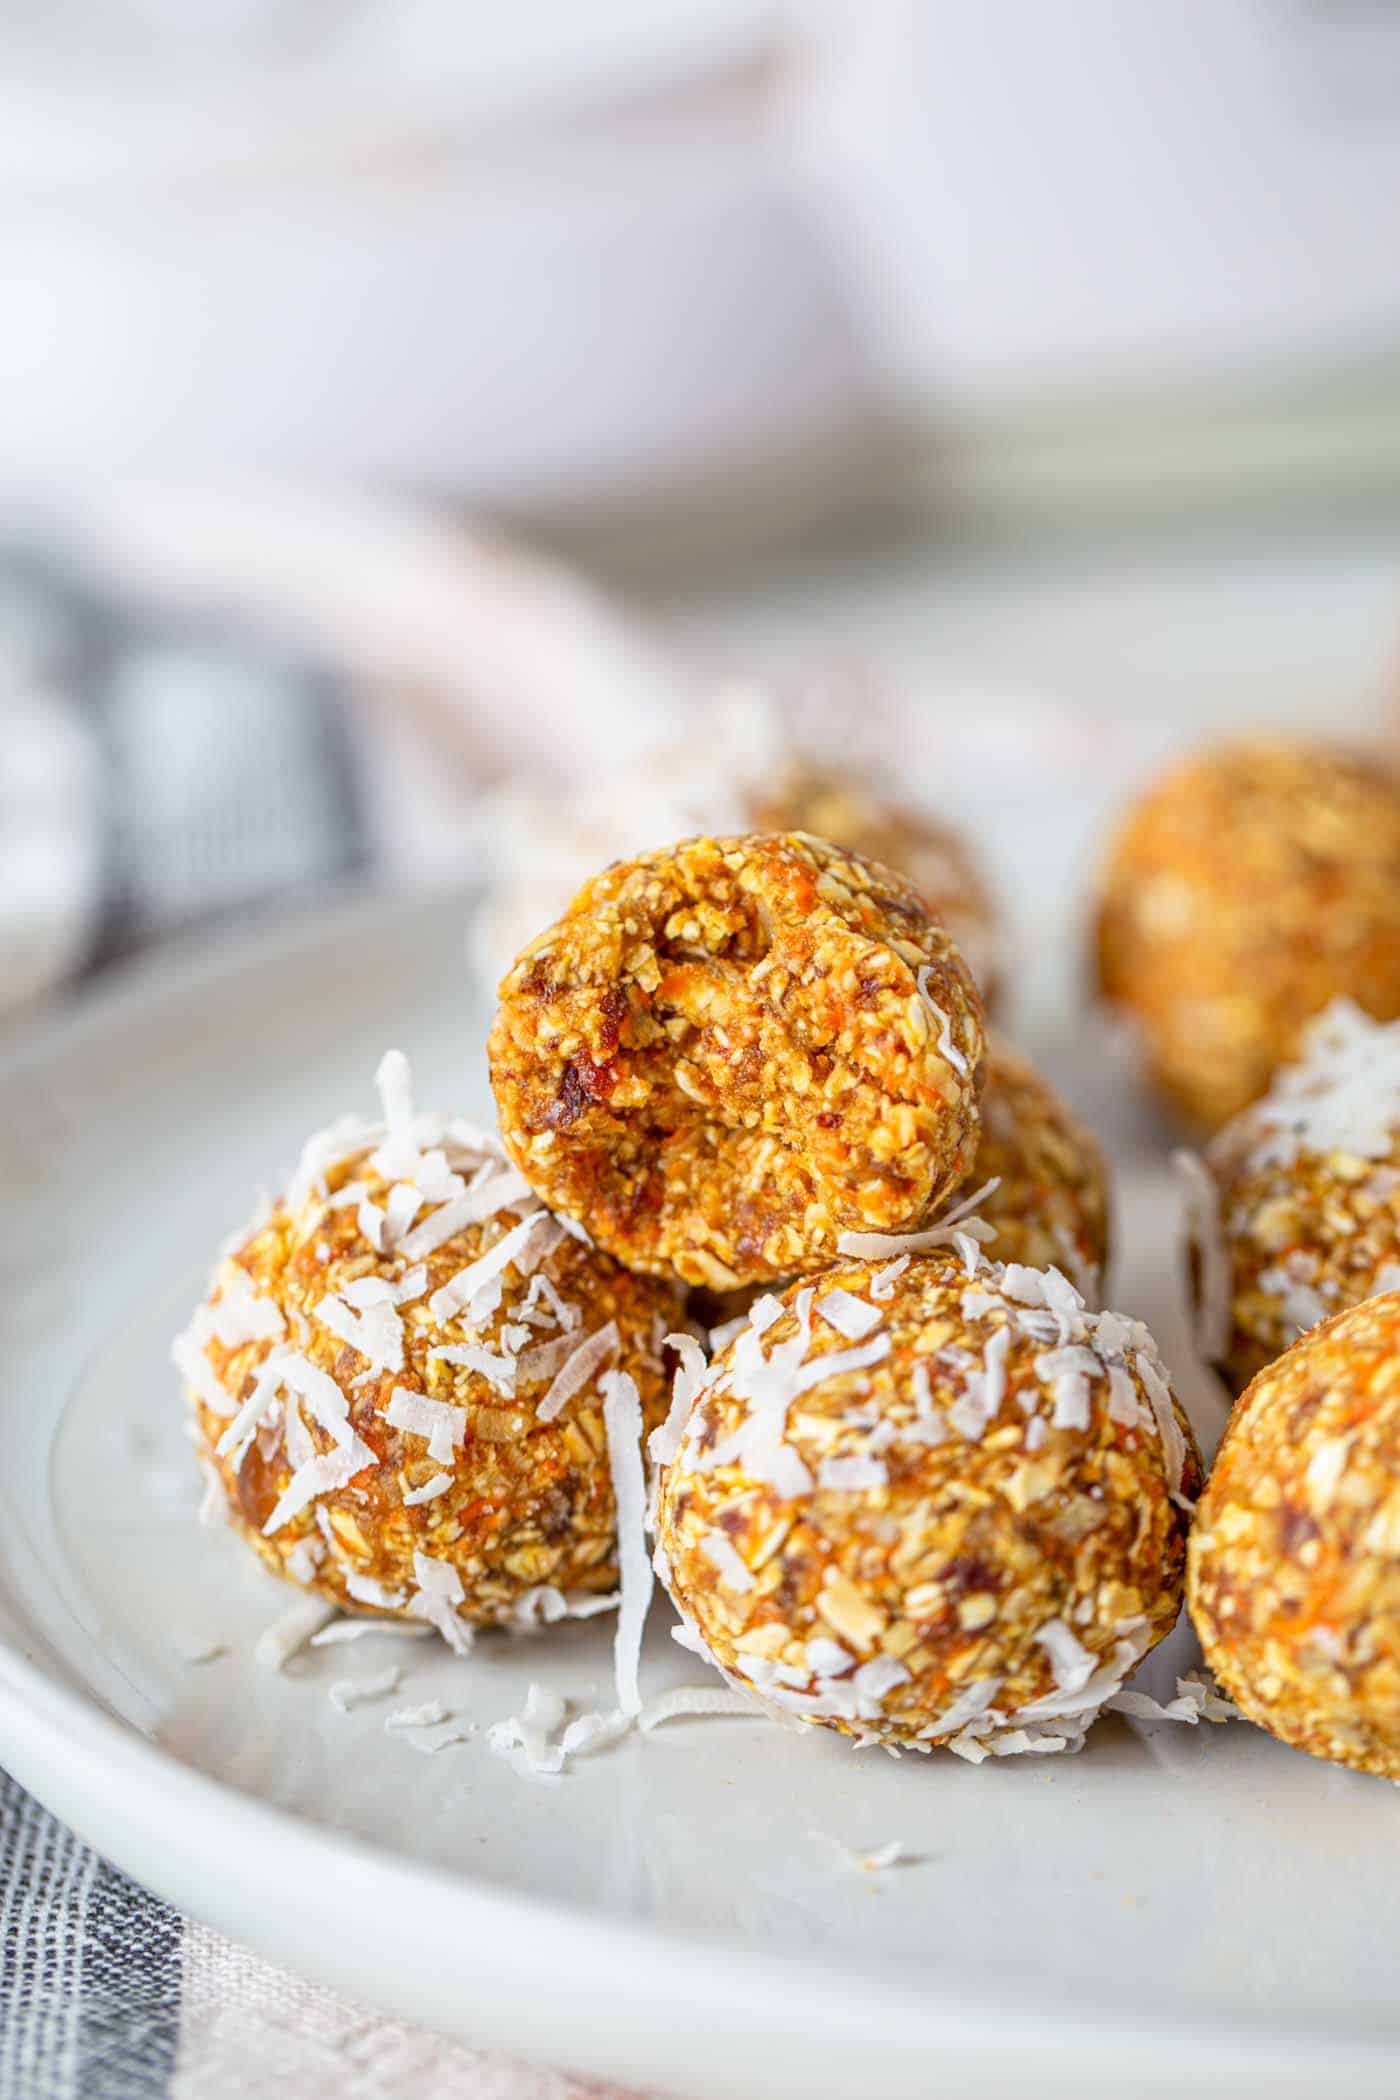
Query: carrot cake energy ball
[394,1380]
[933,858]
[1050,1202]
[728,1052]
[1294,1582]
[1298,1213]
[1244,892]
[929,1501]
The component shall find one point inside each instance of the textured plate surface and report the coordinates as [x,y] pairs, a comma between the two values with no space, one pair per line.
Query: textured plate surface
[678,1912]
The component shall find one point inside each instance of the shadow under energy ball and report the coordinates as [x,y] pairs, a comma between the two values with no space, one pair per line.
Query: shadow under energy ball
[1243,892]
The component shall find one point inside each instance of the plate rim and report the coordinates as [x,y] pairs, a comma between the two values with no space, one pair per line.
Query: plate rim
[102,1777]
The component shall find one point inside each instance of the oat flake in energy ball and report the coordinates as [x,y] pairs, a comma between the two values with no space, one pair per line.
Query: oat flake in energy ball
[946,1505]
[395,1380]
[1298,1215]
[1245,891]
[1294,1582]
[729,1051]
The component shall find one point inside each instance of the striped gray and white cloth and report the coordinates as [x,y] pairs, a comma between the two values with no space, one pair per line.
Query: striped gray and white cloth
[106,1993]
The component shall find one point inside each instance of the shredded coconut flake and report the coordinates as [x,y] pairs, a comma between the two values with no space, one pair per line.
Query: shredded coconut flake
[974,1413]
[508,1250]
[882,1283]
[350,1692]
[665,1440]
[1343,1095]
[892,1854]
[947,1048]
[593,1731]
[870,1246]
[429,1492]
[290,1633]
[1070,1661]
[533,1729]
[692,1701]
[498,1190]
[622,1420]
[1302,1306]
[727,1562]
[366,1590]
[582,1367]
[428,1741]
[342,1630]
[238,1315]
[851,1316]
[425,1716]
[436,1598]
[443,1426]
[852,1473]
[544,1605]
[1195,1701]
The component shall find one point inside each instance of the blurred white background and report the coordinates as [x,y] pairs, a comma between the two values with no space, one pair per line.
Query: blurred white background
[1031,372]
[565,260]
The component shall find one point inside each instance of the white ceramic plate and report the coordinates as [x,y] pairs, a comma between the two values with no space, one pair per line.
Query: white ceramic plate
[675,1913]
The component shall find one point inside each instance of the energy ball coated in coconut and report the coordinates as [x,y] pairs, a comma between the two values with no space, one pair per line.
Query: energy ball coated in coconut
[1244,892]
[1295,1213]
[929,1502]
[394,1381]
[1294,1571]
[1050,1204]
[728,1052]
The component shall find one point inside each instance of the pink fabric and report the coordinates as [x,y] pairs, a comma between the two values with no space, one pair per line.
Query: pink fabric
[253,2032]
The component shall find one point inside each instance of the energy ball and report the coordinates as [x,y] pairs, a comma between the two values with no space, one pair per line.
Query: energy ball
[1298,1214]
[1294,1568]
[933,858]
[744,764]
[395,1380]
[1244,892]
[1043,1188]
[929,1501]
[729,1052]
[1050,1205]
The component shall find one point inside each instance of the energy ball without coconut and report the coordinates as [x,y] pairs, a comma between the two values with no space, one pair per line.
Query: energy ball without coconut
[1295,1213]
[728,1052]
[929,1501]
[1294,1574]
[1043,1187]
[395,1380]
[1244,892]
[934,859]
[1050,1203]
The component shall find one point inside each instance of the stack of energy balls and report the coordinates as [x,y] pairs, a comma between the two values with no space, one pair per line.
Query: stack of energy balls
[915,1494]
[1249,925]
[920,1489]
